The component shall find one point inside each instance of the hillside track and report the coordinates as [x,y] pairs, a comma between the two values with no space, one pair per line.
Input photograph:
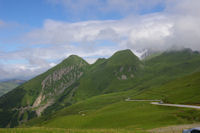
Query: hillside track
[160,102]
[176,105]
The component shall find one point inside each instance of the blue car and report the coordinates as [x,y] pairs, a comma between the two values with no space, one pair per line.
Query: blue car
[192,130]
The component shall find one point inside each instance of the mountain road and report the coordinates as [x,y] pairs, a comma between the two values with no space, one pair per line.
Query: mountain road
[161,103]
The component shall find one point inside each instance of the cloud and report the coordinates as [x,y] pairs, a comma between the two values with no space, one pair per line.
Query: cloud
[157,31]
[178,25]
[185,7]
[172,26]
[21,71]
[29,62]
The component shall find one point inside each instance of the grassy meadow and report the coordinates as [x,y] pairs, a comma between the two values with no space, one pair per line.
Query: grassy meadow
[111,111]
[57,130]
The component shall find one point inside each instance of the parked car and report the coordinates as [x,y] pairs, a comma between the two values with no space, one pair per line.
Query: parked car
[192,130]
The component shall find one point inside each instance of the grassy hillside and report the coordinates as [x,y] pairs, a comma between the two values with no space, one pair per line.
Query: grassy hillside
[71,86]
[174,63]
[102,77]
[182,90]
[57,130]
[118,70]
[31,98]
[167,67]
[111,111]
[7,86]
[175,79]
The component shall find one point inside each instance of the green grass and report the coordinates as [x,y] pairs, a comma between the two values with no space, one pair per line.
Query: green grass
[112,112]
[57,130]
[184,90]
[102,76]
[26,94]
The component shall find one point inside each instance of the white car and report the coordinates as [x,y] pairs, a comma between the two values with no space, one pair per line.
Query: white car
[192,130]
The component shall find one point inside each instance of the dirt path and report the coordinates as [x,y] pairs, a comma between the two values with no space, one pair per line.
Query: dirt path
[142,100]
[176,105]
[160,102]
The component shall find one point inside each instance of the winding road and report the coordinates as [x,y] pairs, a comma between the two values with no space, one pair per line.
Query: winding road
[160,102]
[176,105]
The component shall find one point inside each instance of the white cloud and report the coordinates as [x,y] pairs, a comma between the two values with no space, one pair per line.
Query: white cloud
[158,31]
[183,7]
[40,59]
[178,25]
[150,28]
[19,71]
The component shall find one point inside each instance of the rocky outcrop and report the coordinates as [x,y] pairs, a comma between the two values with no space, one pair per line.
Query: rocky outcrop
[37,101]
[43,107]
[55,84]
[132,76]
[125,73]
[52,86]
[124,77]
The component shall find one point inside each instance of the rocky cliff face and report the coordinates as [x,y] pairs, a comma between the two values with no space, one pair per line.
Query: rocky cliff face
[55,83]
[125,73]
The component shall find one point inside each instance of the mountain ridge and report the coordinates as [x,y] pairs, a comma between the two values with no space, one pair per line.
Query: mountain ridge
[74,80]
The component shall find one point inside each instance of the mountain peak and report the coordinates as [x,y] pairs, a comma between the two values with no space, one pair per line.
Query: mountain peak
[74,56]
[73,59]
[124,57]
[100,60]
[123,52]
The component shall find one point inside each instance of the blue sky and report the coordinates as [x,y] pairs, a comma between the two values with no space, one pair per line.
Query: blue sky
[24,15]
[29,12]
[34,12]
[37,34]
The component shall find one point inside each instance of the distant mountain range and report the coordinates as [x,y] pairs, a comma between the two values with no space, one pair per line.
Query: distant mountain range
[8,85]
[74,86]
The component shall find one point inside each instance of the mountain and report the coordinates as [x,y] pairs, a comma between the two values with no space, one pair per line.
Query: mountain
[170,65]
[6,86]
[111,111]
[33,97]
[122,67]
[74,86]
[102,77]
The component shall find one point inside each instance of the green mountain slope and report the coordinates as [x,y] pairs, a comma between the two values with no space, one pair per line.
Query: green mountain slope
[65,89]
[117,70]
[168,66]
[164,69]
[33,97]
[6,86]
[112,111]
[114,74]
[185,90]
[157,82]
